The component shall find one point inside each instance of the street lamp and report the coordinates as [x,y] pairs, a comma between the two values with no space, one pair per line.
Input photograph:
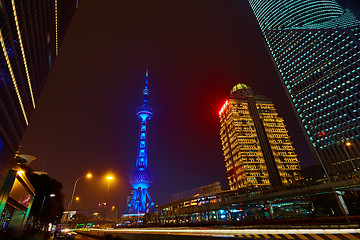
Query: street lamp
[109,178]
[89,175]
[338,197]
[348,144]
[116,211]
[43,201]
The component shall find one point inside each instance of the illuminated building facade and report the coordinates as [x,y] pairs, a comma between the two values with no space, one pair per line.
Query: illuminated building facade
[141,178]
[30,35]
[316,48]
[257,148]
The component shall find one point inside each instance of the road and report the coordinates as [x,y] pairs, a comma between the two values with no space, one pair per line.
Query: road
[81,237]
[189,233]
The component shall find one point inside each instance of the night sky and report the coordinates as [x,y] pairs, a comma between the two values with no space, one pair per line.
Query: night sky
[196,51]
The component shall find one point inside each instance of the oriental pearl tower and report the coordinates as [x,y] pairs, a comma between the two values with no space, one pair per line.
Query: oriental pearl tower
[141,178]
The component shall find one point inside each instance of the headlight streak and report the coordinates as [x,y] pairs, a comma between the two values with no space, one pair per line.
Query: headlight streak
[229,232]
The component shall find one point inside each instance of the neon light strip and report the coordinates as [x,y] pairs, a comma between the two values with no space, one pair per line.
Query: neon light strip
[12,76]
[23,52]
[56,30]
[223,107]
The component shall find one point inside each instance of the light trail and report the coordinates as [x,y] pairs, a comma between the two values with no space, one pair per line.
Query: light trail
[225,232]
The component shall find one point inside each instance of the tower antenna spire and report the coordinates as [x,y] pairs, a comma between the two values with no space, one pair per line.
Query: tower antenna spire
[146,90]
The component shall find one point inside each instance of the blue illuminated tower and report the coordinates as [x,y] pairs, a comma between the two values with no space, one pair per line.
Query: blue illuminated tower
[141,178]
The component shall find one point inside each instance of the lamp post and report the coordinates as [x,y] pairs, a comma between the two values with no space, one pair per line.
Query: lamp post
[43,201]
[338,197]
[109,178]
[42,205]
[89,175]
[348,144]
[116,211]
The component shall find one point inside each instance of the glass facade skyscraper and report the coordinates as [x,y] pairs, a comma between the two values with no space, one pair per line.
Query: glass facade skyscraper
[31,33]
[315,45]
[257,148]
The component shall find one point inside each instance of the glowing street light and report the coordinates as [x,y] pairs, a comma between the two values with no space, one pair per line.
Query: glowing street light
[109,178]
[338,197]
[348,144]
[77,198]
[89,175]
[43,201]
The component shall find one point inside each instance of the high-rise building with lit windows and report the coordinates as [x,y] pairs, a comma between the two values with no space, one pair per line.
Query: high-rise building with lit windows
[257,148]
[31,33]
[316,48]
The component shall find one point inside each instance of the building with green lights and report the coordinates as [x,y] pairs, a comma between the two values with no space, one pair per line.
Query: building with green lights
[316,48]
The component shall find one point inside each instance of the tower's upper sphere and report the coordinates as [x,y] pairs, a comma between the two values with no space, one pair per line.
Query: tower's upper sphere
[144,111]
[142,178]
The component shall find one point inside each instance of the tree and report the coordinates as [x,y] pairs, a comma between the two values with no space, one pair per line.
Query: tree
[79,217]
[48,205]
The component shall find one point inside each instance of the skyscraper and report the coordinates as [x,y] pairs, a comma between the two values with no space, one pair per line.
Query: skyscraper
[257,149]
[316,48]
[31,33]
[141,178]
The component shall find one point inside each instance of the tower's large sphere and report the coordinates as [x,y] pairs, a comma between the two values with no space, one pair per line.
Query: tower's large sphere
[144,111]
[142,178]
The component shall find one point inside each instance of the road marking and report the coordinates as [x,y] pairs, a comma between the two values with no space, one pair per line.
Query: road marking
[351,237]
[288,236]
[277,236]
[316,236]
[332,236]
[303,237]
